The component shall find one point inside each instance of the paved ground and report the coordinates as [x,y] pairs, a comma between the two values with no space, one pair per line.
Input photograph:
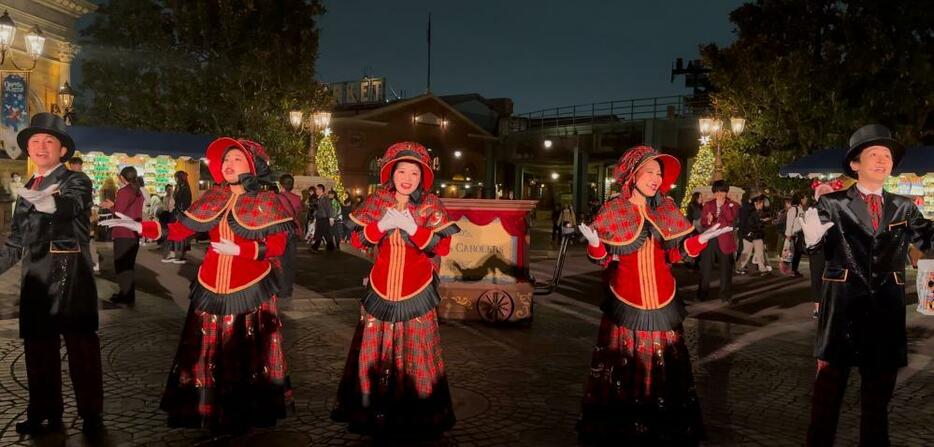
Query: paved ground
[512,385]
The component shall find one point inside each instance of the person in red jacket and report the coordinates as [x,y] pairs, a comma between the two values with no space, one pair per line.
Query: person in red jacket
[229,372]
[126,242]
[640,390]
[723,212]
[394,380]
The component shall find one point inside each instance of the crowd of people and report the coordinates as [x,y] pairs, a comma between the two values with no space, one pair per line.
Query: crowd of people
[229,373]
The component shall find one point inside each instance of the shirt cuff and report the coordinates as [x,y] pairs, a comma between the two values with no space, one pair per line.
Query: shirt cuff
[372,234]
[596,253]
[421,238]
[693,247]
[251,250]
[151,230]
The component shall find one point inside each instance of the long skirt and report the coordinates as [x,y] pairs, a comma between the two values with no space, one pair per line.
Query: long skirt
[640,390]
[229,372]
[394,381]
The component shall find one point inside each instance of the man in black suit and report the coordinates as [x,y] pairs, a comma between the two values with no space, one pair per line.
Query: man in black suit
[864,233]
[50,232]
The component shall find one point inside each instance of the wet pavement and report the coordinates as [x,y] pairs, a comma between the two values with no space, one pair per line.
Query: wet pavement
[518,385]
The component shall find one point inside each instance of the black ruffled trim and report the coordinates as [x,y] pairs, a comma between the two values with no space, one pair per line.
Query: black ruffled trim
[664,319]
[407,309]
[196,226]
[246,300]
[259,233]
[635,245]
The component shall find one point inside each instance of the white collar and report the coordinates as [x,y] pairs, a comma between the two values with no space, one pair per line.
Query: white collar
[866,191]
[46,173]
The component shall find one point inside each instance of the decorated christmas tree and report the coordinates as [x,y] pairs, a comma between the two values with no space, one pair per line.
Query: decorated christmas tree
[326,161]
[701,173]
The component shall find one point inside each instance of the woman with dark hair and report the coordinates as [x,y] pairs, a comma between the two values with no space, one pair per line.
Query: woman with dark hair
[394,380]
[126,242]
[182,198]
[641,390]
[229,371]
[793,231]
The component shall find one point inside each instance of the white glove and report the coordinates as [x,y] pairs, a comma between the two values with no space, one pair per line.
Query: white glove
[41,199]
[406,222]
[590,234]
[226,247]
[389,221]
[331,221]
[123,221]
[812,227]
[713,232]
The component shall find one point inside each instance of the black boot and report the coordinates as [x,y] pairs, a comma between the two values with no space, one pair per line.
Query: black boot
[92,425]
[30,426]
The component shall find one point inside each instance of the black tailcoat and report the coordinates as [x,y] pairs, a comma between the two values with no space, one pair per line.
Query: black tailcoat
[862,310]
[58,293]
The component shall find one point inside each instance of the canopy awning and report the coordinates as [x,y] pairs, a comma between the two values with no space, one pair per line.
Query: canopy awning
[918,160]
[111,141]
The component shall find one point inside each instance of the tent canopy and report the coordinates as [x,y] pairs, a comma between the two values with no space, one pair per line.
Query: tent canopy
[918,160]
[139,142]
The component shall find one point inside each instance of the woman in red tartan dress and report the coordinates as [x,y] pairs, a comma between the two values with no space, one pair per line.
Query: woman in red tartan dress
[229,372]
[394,380]
[641,389]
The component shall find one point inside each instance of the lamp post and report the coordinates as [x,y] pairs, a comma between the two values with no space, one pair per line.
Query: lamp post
[709,129]
[35,41]
[66,99]
[318,121]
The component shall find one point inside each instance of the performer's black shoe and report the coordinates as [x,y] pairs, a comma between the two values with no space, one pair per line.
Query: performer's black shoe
[29,426]
[56,424]
[92,425]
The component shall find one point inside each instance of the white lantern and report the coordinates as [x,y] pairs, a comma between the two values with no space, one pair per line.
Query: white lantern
[35,41]
[737,125]
[7,31]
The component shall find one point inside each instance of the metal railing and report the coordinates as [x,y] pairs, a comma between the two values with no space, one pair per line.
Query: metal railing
[607,112]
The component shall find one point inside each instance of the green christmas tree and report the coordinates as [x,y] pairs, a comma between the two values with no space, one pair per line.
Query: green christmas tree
[701,172]
[326,161]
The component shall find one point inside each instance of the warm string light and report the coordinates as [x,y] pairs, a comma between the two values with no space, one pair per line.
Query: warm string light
[326,161]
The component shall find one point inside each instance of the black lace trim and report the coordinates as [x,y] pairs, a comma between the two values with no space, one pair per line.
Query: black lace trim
[242,301]
[259,233]
[197,226]
[635,245]
[435,238]
[407,309]
[664,319]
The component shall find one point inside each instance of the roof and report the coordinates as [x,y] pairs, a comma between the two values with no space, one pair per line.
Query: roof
[918,160]
[111,140]
[396,105]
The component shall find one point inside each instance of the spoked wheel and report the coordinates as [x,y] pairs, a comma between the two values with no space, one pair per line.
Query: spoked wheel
[495,306]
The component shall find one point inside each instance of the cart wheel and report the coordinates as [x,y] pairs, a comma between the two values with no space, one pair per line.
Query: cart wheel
[495,306]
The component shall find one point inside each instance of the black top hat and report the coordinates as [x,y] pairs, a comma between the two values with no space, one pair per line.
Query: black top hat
[51,124]
[871,135]
[720,186]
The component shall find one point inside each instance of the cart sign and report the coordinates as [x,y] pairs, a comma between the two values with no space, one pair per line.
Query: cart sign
[481,253]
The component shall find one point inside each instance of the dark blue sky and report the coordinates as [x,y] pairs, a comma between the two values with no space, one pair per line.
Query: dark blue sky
[541,53]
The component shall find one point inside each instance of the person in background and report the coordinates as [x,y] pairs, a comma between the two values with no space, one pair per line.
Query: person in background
[292,203]
[126,242]
[182,199]
[753,235]
[346,208]
[723,211]
[793,232]
[146,197]
[312,208]
[816,257]
[694,210]
[336,227]
[324,218]
[165,215]
[76,164]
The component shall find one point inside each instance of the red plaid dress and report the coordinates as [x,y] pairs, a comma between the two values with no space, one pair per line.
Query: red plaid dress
[394,380]
[229,373]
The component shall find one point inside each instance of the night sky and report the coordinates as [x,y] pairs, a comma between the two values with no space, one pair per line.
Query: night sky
[543,53]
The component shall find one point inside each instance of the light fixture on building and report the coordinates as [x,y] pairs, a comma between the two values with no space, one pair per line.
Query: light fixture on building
[457,154]
[547,144]
[66,101]
[467,186]
[468,178]
[35,42]
[554,176]
[444,185]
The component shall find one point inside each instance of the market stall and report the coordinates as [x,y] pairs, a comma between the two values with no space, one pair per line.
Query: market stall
[486,274]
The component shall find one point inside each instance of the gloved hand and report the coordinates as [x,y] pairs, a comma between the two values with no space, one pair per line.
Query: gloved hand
[389,221]
[331,221]
[713,232]
[226,247]
[590,234]
[41,199]
[812,227]
[123,221]
[406,222]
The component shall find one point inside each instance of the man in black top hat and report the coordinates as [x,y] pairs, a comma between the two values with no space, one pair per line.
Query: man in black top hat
[865,233]
[50,233]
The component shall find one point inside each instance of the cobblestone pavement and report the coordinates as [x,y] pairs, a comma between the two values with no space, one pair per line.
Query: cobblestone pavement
[512,385]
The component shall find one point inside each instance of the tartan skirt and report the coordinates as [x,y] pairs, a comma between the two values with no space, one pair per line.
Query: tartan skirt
[640,389]
[229,371]
[394,380]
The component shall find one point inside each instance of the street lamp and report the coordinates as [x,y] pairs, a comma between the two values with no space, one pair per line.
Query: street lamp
[319,121]
[547,144]
[35,42]
[709,129]
[66,99]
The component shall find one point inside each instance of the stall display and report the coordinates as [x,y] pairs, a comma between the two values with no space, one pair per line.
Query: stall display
[920,188]
[156,171]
